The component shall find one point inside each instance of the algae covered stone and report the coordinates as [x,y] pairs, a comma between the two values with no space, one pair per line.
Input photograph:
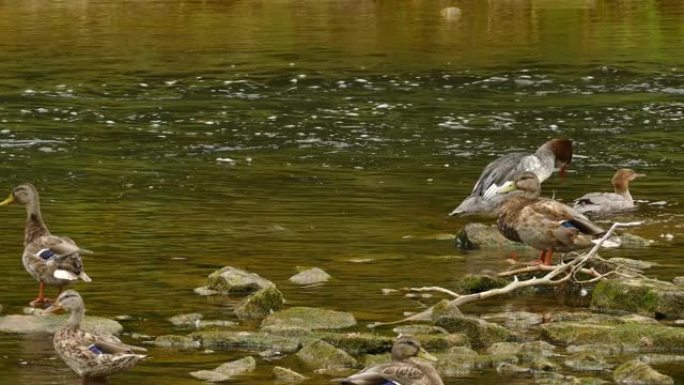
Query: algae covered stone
[480,333]
[359,343]
[175,341]
[322,355]
[227,371]
[477,283]
[285,375]
[260,304]
[310,318]
[310,277]
[232,281]
[649,297]
[636,372]
[246,340]
[475,235]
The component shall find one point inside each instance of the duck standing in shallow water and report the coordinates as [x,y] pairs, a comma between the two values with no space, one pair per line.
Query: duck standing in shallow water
[404,369]
[542,223]
[50,259]
[90,355]
[484,198]
[609,203]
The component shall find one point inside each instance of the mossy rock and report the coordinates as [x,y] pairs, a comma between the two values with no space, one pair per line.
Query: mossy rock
[322,355]
[477,235]
[359,343]
[458,363]
[246,340]
[639,373]
[477,283]
[30,324]
[227,371]
[232,281]
[376,359]
[260,304]
[505,348]
[175,341]
[649,297]
[553,378]
[311,276]
[419,329]
[628,336]
[310,318]
[445,308]
[288,376]
[439,342]
[586,362]
[480,333]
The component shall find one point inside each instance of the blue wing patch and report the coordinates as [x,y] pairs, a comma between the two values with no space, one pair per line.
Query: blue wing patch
[568,224]
[93,348]
[46,254]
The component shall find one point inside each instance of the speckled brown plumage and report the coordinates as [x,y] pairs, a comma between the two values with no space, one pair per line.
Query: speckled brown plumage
[544,224]
[64,265]
[90,355]
[404,369]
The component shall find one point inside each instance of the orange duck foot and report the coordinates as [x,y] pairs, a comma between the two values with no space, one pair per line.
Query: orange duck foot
[41,302]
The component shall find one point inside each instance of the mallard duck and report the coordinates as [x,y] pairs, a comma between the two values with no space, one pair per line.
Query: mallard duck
[90,355]
[484,199]
[404,369]
[542,223]
[601,203]
[51,260]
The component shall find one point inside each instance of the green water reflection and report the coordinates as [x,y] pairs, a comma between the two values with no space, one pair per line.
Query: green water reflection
[354,127]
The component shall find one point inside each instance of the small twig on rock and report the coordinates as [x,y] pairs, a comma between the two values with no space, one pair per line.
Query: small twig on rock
[430,289]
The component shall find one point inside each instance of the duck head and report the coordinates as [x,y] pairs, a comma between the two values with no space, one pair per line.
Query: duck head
[69,300]
[23,194]
[562,150]
[622,178]
[406,347]
[526,182]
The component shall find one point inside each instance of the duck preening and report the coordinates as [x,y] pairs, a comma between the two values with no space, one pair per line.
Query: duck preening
[484,198]
[542,223]
[602,203]
[51,260]
[90,355]
[406,368]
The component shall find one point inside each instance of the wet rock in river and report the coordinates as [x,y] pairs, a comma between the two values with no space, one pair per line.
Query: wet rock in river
[553,378]
[632,263]
[25,324]
[481,333]
[679,281]
[539,362]
[359,343]
[649,297]
[417,329]
[233,281]
[539,347]
[310,318]
[246,340]
[190,319]
[459,363]
[260,304]
[661,359]
[636,372]
[475,235]
[445,308]
[288,376]
[437,342]
[287,331]
[175,341]
[631,241]
[504,348]
[320,354]
[214,324]
[600,349]
[227,371]
[508,368]
[629,337]
[517,320]
[477,283]
[586,362]
[310,277]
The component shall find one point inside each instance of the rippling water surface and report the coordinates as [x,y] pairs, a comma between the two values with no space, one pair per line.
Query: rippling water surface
[176,137]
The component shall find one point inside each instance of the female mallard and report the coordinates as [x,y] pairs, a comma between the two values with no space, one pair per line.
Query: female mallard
[90,355]
[50,259]
[607,203]
[544,224]
[403,370]
[484,199]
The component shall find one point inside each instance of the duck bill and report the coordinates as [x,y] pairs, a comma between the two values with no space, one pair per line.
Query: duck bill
[55,308]
[507,187]
[8,201]
[427,356]
[640,175]
[562,173]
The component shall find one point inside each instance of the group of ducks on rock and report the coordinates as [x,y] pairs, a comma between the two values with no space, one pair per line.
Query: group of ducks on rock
[510,187]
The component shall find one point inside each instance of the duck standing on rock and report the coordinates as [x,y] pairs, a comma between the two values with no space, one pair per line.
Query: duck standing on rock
[50,259]
[484,198]
[542,223]
[602,203]
[91,355]
[404,369]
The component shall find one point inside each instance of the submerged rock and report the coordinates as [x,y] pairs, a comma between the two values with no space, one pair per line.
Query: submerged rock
[310,318]
[586,362]
[285,375]
[245,340]
[322,355]
[310,277]
[174,341]
[631,241]
[481,333]
[227,371]
[475,235]
[418,329]
[649,297]
[190,319]
[27,324]
[639,373]
[508,368]
[679,281]
[552,378]
[260,304]
[660,359]
[632,263]
[233,281]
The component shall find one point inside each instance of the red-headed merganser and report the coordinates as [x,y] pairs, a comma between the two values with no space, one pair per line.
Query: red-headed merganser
[605,202]
[484,197]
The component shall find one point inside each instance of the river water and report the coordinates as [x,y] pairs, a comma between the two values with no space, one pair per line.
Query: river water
[176,137]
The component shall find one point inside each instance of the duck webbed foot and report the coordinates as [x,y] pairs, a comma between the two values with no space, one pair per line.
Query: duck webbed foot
[41,301]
